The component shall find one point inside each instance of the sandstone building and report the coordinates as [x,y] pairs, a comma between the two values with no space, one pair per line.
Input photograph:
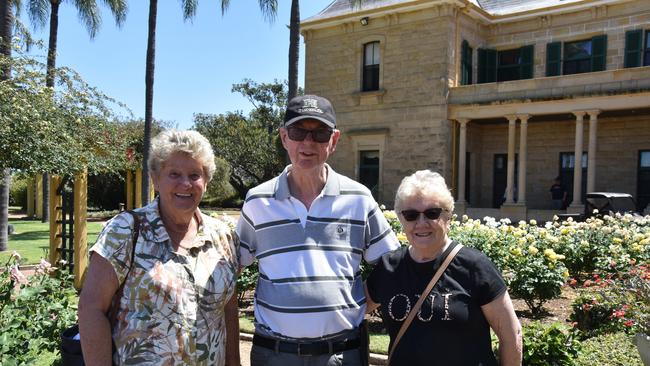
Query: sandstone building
[499,96]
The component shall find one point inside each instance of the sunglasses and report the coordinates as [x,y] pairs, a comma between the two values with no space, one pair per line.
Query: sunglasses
[319,135]
[432,213]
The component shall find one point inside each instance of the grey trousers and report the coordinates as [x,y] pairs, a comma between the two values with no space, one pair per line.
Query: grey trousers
[261,356]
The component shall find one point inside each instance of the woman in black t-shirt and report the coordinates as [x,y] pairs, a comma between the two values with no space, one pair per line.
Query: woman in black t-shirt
[453,325]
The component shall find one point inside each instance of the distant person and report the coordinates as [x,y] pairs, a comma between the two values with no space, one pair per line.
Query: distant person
[558,194]
[452,327]
[309,229]
[178,304]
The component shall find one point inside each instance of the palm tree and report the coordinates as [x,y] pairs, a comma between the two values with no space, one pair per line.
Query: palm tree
[269,9]
[294,48]
[6,23]
[89,13]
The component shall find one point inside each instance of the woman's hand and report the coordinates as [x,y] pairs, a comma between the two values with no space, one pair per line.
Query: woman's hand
[501,316]
[99,288]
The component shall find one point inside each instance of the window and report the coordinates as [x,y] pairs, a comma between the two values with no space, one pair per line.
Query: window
[466,64]
[370,66]
[515,64]
[646,56]
[637,52]
[567,164]
[576,57]
[369,170]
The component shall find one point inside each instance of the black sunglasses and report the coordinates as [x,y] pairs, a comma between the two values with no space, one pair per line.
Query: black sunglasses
[319,135]
[432,213]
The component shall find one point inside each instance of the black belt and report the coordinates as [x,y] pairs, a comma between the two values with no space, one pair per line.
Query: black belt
[306,348]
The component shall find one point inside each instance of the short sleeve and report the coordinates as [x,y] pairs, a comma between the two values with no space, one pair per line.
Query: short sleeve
[488,280]
[373,282]
[115,244]
[379,237]
[246,237]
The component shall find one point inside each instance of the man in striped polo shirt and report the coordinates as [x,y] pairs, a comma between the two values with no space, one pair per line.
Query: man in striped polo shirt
[309,229]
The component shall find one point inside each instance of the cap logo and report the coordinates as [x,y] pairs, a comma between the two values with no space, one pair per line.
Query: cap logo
[310,105]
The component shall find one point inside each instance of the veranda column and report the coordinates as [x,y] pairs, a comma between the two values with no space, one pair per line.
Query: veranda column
[80,227]
[462,157]
[591,153]
[523,156]
[577,161]
[512,120]
[38,189]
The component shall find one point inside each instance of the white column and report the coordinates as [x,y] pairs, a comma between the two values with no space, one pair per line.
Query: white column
[591,153]
[462,154]
[577,159]
[512,120]
[523,156]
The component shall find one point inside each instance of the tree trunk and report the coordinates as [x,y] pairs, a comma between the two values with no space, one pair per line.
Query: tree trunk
[49,82]
[148,109]
[294,48]
[6,23]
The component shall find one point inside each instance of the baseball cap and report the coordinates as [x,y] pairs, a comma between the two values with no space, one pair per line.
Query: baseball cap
[310,107]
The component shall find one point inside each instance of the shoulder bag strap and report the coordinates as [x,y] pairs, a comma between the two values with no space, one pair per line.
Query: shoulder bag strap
[120,290]
[424,295]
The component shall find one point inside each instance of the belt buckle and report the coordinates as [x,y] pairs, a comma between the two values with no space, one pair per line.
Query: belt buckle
[300,352]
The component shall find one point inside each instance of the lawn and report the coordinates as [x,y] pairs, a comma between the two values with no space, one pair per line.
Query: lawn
[31,238]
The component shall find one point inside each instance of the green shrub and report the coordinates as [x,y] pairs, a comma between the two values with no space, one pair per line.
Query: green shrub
[246,281]
[614,349]
[18,192]
[593,312]
[33,312]
[549,345]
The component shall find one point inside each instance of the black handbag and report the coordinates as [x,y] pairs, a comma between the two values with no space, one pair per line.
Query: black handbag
[71,353]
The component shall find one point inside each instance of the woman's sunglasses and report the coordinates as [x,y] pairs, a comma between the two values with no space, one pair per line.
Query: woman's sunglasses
[432,213]
[319,135]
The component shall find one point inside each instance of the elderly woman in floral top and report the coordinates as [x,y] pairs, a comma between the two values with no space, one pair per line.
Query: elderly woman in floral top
[178,304]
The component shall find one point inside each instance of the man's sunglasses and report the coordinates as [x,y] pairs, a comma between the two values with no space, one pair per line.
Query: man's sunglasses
[319,135]
[432,213]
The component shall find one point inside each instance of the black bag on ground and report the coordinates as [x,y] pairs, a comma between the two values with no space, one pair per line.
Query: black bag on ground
[71,348]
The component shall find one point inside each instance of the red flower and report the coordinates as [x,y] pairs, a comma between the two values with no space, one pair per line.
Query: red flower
[628,323]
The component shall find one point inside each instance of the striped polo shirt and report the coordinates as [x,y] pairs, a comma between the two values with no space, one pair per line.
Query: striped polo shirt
[310,284]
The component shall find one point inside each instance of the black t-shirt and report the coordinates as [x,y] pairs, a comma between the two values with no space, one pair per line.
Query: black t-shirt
[450,328]
[557,192]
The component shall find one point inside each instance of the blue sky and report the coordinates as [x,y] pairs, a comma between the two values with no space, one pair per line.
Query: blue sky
[196,61]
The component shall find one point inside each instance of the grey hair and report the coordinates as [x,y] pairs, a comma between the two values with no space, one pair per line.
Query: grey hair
[424,183]
[191,143]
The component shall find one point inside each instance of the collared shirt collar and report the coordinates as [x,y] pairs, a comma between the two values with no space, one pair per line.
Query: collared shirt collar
[153,217]
[332,185]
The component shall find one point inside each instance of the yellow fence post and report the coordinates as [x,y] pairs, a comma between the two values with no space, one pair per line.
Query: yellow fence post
[56,217]
[30,197]
[129,190]
[138,187]
[152,192]
[80,246]
[39,196]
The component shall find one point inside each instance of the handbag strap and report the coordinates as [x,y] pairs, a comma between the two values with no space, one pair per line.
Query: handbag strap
[424,295]
[120,290]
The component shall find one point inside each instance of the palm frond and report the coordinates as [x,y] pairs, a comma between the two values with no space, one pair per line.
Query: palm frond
[224,6]
[24,36]
[269,9]
[189,8]
[38,12]
[119,9]
[90,15]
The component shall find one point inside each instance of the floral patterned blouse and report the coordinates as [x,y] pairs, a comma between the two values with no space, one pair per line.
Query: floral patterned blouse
[172,308]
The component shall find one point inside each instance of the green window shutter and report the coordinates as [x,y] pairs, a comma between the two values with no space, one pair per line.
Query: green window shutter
[469,64]
[527,58]
[491,66]
[482,64]
[553,58]
[633,48]
[599,53]
[466,64]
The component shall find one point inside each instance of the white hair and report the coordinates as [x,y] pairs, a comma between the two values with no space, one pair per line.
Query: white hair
[191,143]
[424,183]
